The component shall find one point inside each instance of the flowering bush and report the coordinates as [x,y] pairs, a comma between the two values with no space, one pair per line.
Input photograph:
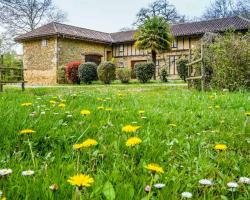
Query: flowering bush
[72,72]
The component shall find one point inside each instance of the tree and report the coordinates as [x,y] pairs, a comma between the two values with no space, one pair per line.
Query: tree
[154,34]
[227,8]
[21,16]
[159,8]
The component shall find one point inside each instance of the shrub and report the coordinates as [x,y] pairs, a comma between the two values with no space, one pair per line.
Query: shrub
[87,72]
[106,72]
[164,75]
[144,71]
[124,74]
[182,68]
[61,72]
[72,72]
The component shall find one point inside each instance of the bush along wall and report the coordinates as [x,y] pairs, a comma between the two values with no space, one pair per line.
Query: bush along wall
[106,72]
[124,74]
[144,71]
[72,72]
[87,72]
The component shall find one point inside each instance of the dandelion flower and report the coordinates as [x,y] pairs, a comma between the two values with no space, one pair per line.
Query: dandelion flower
[54,187]
[27,131]
[155,168]
[28,173]
[244,180]
[52,102]
[130,128]
[141,112]
[61,105]
[133,141]
[89,142]
[187,195]
[5,172]
[247,114]
[26,104]
[217,107]
[205,182]
[220,147]
[85,112]
[173,125]
[100,108]
[77,146]
[81,180]
[108,109]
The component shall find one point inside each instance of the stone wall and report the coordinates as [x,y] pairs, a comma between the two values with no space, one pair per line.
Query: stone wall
[40,62]
[75,50]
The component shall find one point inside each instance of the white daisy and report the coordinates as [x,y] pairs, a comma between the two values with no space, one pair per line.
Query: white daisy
[232,186]
[5,172]
[206,182]
[244,180]
[28,173]
[1,193]
[187,195]
[159,185]
[69,116]
[42,113]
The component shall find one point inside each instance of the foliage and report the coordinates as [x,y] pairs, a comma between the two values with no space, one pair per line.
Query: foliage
[201,120]
[182,68]
[154,34]
[159,8]
[72,72]
[164,74]
[144,71]
[226,62]
[106,72]
[124,74]
[61,75]
[87,72]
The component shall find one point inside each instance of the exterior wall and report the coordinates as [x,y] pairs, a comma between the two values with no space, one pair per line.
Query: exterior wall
[40,62]
[126,55]
[75,50]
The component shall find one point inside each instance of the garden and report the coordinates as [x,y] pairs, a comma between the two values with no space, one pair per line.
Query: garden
[124,142]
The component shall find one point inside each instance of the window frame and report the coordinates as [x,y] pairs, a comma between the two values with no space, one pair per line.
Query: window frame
[44,43]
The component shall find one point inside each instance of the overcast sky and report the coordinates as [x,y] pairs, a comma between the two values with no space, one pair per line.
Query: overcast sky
[112,15]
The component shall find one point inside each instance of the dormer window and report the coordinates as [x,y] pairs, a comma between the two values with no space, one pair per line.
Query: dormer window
[44,43]
[175,44]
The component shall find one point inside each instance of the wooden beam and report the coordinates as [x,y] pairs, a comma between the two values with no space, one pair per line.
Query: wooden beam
[194,62]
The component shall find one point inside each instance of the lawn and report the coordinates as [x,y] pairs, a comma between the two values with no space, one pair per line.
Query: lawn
[178,129]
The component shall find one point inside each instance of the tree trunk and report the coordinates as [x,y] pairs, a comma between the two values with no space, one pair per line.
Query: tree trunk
[153,52]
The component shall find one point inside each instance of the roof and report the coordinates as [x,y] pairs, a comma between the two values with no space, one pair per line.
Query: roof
[185,29]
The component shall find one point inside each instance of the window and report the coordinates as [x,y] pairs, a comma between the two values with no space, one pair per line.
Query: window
[175,44]
[44,43]
[121,50]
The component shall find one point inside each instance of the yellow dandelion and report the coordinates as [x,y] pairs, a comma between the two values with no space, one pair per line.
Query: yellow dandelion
[155,168]
[133,141]
[217,107]
[63,100]
[220,147]
[212,97]
[61,105]
[108,109]
[99,99]
[89,143]
[247,114]
[173,125]
[210,107]
[27,131]
[141,112]
[100,108]
[130,128]
[77,146]
[26,104]
[120,94]
[81,180]
[85,112]
[52,102]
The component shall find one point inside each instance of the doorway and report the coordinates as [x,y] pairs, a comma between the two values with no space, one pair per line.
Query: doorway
[93,58]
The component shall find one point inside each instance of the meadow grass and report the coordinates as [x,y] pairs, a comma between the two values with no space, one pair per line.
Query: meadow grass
[179,130]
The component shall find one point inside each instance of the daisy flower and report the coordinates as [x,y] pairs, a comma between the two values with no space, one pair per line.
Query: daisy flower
[244,180]
[28,173]
[232,186]
[187,195]
[206,182]
[5,172]
[159,185]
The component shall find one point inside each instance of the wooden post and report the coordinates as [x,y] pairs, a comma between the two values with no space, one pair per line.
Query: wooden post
[1,60]
[202,67]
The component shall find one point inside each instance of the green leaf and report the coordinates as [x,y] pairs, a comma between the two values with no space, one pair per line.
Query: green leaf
[108,191]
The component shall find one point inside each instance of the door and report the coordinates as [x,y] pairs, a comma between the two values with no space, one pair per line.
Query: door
[133,74]
[93,58]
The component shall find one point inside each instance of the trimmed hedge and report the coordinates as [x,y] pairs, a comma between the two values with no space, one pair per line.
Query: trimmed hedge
[144,71]
[164,75]
[87,72]
[182,68]
[72,72]
[124,74]
[106,72]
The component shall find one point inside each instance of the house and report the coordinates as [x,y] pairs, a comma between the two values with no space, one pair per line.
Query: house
[55,44]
